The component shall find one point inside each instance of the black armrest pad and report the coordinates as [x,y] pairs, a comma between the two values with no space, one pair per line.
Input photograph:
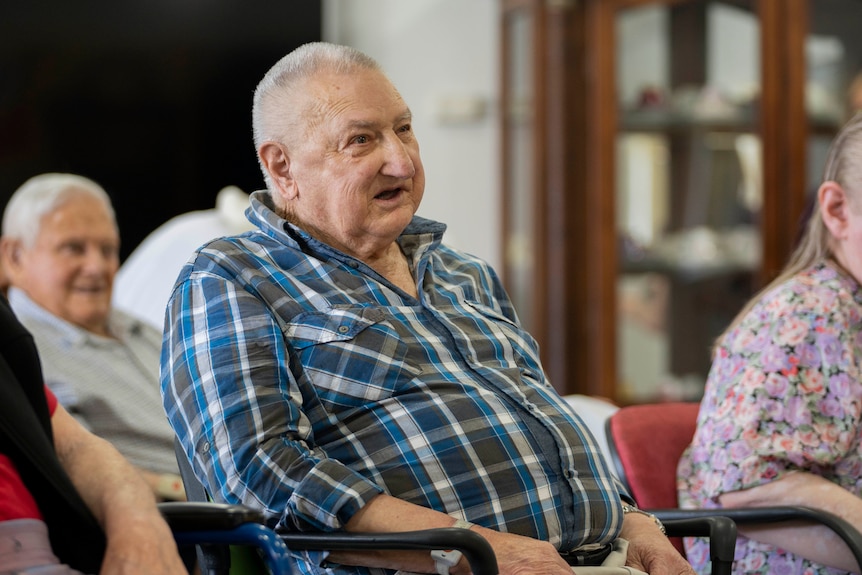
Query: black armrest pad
[478,551]
[195,516]
[770,515]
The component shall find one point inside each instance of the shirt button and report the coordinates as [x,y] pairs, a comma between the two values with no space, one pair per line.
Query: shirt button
[343,329]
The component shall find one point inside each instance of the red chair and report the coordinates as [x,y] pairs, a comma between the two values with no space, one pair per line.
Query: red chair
[646,443]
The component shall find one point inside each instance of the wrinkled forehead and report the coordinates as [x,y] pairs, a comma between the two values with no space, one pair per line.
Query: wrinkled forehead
[77,212]
[352,93]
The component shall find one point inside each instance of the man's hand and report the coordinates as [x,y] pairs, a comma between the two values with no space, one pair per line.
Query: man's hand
[517,555]
[650,550]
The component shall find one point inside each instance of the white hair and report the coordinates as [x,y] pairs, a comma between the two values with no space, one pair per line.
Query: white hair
[43,194]
[270,115]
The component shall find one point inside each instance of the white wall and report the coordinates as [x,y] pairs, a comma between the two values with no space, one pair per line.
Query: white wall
[437,51]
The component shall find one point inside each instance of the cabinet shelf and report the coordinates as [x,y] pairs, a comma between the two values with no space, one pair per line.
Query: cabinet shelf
[589,168]
[741,121]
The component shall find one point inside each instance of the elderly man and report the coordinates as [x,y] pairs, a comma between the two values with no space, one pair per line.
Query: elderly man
[343,370]
[60,250]
[70,501]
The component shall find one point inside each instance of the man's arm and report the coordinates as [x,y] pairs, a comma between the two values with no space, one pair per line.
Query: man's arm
[139,540]
[815,542]
[649,549]
[515,554]
[249,425]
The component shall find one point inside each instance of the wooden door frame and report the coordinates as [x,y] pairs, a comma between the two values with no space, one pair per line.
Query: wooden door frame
[558,221]
[512,8]
[575,259]
[783,25]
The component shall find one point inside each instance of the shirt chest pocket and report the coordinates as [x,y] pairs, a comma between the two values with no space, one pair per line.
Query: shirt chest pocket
[351,356]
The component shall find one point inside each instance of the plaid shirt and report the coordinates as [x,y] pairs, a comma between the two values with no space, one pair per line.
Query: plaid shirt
[304,383]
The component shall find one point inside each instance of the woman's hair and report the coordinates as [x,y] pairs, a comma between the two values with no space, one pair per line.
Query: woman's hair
[41,195]
[273,117]
[844,167]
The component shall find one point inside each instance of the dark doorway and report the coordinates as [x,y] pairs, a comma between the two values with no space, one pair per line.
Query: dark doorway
[150,99]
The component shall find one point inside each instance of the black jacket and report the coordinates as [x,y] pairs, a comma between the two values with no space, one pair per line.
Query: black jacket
[26,438]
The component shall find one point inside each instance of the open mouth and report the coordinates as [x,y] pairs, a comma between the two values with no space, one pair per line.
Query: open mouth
[388,194]
[89,290]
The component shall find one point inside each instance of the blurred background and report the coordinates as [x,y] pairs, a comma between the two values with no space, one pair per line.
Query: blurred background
[153,99]
[635,169]
[150,99]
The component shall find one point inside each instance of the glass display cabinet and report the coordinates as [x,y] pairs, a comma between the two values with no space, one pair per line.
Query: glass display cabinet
[658,157]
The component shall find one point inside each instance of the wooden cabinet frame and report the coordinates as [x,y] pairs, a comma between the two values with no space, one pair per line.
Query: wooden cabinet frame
[559,220]
[576,122]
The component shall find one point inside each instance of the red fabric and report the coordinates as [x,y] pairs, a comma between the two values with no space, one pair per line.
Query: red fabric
[15,500]
[649,440]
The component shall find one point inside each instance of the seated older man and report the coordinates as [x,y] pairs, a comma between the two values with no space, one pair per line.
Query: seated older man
[70,502]
[342,369]
[60,250]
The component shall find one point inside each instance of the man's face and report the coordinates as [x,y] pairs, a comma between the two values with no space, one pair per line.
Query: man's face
[70,268]
[355,178]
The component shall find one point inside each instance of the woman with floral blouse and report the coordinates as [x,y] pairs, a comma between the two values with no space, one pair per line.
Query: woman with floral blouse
[780,422]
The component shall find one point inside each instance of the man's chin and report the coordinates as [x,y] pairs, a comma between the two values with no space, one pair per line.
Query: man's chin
[94,319]
[394,225]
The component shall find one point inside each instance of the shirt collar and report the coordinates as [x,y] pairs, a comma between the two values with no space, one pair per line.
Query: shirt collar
[420,236]
[122,326]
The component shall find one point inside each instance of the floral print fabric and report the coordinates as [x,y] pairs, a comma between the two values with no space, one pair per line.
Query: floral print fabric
[783,394]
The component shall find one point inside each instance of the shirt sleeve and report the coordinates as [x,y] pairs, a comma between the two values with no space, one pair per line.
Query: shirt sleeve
[234,403]
[52,401]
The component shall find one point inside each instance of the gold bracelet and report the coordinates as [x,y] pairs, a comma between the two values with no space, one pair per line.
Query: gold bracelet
[632,509]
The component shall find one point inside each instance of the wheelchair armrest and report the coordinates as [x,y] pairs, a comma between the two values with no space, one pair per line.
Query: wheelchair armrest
[774,514]
[475,548]
[221,524]
[193,516]
[720,530]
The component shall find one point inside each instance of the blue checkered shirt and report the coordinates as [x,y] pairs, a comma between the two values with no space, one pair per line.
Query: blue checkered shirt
[302,382]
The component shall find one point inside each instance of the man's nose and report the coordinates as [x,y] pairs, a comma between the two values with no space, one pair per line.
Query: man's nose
[96,259]
[399,162]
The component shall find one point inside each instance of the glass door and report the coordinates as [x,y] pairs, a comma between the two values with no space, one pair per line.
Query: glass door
[688,187]
[519,165]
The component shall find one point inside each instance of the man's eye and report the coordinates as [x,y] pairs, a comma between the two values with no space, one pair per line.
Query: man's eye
[72,249]
[405,128]
[360,140]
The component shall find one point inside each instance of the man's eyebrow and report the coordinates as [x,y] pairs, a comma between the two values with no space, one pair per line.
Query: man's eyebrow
[371,125]
[407,116]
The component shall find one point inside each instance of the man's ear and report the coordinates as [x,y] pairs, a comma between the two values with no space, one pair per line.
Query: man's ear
[834,208]
[10,256]
[276,161]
